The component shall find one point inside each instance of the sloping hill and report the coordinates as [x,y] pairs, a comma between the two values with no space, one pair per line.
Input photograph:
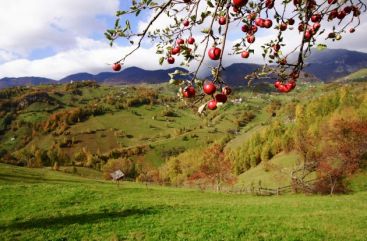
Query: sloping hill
[360,75]
[273,174]
[331,64]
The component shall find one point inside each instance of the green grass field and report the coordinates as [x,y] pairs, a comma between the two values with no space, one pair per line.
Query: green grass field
[276,173]
[39,204]
[359,75]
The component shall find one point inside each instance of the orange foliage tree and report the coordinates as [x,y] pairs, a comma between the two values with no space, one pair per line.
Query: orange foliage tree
[343,153]
[216,169]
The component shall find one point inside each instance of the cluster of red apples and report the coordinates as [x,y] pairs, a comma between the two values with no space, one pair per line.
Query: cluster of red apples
[178,48]
[306,17]
[285,88]
[209,88]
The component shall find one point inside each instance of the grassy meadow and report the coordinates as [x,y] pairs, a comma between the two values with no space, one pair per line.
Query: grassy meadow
[40,204]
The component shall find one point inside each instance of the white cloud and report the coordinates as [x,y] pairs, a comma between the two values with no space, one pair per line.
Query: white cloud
[88,56]
[67,29]
[30,24]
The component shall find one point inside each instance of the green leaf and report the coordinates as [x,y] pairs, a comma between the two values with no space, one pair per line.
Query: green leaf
[128,24]
[210,4]
[161,59]
[117,22]
[321,47]
[120,13]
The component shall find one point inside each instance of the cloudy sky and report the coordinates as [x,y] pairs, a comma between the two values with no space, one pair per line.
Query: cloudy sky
[55,38]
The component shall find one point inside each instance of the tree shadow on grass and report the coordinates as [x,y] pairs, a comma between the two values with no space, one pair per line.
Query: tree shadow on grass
[13,179]
[84,218]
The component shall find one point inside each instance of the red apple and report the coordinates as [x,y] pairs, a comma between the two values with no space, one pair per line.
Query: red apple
[171,60]
[291,85]
[188,92]
[116,67]
[308,35]
[269,4]
[221,98]
[186,23]
[222,20]
[245,54]
[180,41]
[235,9]
[209,88]
[277,84]
[250,39]
[341,14]
[283,26]
[291,21]
[282,88]
[352,30]
[268,23]
[214,53]
[333,14]
[253,29]
[297,2]
[191,40]
[239,3]
[212,105]
[348,9]
[176,50]
[316,18]
[276,47]
[259,22]
[316,26]
[245,28]
[311,4]
[332,1]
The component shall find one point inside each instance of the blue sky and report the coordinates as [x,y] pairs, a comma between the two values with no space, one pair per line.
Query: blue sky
[107,18]
[55,38]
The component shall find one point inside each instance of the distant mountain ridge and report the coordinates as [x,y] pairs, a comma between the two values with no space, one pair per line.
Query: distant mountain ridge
[327,66]
[331,64]
[21,81]
[131,75]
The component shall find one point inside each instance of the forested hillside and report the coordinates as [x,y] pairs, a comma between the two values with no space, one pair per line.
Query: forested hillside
[152,135]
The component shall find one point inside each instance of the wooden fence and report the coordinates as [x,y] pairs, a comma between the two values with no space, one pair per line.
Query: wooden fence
[259,191]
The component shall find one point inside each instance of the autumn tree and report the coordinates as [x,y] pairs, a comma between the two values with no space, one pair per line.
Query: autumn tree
[216,169]
[344,151]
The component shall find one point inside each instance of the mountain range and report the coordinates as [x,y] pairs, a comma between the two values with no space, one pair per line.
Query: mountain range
[326,66]
[331,64]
